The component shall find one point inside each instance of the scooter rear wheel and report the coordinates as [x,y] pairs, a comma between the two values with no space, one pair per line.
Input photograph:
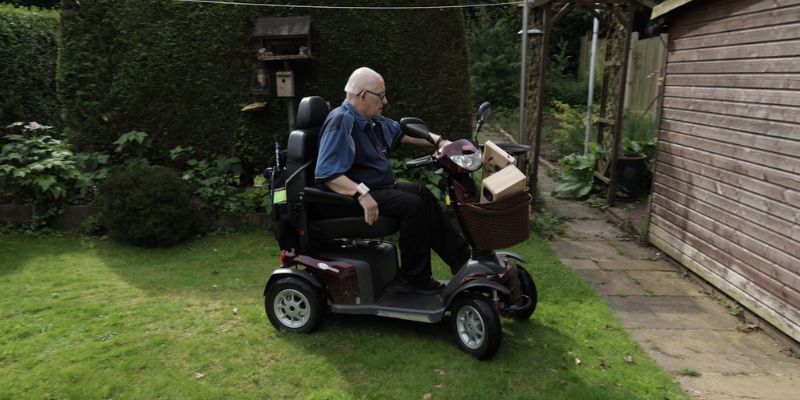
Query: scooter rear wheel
[293,305]
[476,327]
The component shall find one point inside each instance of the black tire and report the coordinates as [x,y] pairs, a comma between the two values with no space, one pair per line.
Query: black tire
[527,287]
[293,305]
[476,327]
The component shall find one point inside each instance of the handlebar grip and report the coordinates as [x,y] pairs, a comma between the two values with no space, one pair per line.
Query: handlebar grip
[419,162]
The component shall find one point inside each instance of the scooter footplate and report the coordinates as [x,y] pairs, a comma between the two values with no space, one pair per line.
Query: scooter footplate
[407,306]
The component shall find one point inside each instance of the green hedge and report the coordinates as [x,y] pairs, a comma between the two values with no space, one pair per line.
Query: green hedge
[28,52]
[181,71]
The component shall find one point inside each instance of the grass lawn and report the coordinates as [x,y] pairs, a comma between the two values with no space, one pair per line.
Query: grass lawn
[84,318]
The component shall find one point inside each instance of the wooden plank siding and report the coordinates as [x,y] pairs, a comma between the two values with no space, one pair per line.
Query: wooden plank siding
[726,187]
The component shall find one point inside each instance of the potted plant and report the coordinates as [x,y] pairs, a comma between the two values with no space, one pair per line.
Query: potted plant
[632,168]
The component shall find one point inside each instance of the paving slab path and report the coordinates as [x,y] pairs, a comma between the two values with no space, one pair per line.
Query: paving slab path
[684,327]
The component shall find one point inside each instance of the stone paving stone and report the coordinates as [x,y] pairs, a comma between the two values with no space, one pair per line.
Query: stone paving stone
[636,251]
[586,249]
[736,387]
[636,265]
[612,283]
[762,350]
[703,351]
[592,229]
[666,283]
[579,264]
[671,312]
[569,209]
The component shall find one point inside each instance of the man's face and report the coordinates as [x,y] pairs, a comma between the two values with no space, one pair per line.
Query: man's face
[374,99]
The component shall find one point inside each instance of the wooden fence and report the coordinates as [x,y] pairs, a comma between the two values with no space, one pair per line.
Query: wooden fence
[644,75]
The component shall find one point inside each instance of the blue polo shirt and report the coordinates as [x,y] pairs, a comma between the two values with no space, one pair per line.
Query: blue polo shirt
[357,147]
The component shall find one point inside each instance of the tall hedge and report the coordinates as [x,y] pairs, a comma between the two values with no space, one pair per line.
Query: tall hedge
[28,52]
[181,71]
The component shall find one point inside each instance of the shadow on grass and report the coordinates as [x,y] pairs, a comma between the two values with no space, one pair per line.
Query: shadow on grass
[239,261]
[18,249]
[402,358]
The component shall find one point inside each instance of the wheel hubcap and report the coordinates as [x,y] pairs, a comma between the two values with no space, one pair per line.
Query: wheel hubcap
[471,330]
[292,308]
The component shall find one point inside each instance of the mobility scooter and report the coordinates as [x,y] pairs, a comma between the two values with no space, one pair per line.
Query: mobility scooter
[344,266]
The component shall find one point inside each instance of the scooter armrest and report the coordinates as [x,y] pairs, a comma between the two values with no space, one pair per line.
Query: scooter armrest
[314,195]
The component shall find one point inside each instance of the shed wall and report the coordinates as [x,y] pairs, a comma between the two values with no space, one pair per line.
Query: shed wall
[726,190]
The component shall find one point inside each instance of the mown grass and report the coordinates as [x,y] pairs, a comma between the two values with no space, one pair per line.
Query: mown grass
[90,319]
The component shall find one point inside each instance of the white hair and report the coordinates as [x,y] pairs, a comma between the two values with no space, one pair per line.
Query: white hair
[360,80]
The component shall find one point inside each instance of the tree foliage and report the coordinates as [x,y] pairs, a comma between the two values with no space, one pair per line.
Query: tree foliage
[495,54]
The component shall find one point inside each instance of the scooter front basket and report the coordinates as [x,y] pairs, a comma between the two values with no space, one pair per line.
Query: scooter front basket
[498,224]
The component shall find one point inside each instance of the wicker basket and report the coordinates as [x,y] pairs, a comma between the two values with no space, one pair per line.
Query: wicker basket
[498,224]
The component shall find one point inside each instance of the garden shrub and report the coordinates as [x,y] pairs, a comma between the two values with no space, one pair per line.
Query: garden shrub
[181,72]
[570,134]
[147,205]
[28,52]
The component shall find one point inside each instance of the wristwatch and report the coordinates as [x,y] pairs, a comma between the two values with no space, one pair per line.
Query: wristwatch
[361,190]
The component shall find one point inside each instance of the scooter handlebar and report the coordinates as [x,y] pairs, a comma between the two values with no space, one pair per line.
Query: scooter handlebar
[420,162]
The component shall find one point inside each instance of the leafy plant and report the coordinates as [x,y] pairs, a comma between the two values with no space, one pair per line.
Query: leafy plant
[597,202]
[639,132]
[133,147]
[93,169]
[35,167]
[426,176]
[577,175]
[215,180]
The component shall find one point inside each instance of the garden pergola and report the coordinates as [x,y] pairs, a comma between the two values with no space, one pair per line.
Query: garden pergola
[619,18]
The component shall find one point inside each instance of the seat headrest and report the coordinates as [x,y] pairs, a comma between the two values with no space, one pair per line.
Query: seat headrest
[311,112]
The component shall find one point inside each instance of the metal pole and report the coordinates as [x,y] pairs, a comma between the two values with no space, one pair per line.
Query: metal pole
[522,72]
[543,60]
[590,100]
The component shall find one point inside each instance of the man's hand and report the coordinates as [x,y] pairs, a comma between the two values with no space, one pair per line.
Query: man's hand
[444,142]
[370,208]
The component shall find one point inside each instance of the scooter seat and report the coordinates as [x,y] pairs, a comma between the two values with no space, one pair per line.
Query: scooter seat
[353,227]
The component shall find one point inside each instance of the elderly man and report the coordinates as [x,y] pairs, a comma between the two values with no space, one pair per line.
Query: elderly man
[354,160]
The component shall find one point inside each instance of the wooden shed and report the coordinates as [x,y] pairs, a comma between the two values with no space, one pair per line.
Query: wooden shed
[726,191]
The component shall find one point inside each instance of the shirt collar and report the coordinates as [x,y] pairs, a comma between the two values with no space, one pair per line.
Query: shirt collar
[360,119]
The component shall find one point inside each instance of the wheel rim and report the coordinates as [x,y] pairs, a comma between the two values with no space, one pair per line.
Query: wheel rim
[292,308]
[470,326]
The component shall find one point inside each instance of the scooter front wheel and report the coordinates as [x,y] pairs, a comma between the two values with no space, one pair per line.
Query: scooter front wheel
[528,288]
[476,327]
[293,305]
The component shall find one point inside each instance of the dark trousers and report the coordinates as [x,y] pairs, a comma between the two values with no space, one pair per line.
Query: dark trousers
[422,228]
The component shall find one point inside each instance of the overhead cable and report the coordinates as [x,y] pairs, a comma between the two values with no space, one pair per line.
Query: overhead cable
[238,3]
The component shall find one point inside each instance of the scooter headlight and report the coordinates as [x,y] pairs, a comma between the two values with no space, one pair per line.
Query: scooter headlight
[470,162]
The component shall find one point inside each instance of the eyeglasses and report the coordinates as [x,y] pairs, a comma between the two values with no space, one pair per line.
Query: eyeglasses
[382,95]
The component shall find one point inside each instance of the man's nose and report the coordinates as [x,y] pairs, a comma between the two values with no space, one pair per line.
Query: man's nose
[385,100]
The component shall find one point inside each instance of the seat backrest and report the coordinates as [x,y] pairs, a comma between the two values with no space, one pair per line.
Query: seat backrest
[301,150]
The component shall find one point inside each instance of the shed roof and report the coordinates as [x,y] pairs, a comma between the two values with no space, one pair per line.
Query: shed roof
[667,7]
[282,26]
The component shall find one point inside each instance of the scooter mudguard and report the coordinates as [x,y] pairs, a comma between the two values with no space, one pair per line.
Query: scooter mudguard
[284,272]
[481,283]
[512,255]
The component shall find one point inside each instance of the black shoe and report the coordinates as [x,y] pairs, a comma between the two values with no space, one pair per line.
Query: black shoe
[430,286]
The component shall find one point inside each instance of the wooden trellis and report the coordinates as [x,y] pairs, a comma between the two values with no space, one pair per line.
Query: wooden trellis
[619,17]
